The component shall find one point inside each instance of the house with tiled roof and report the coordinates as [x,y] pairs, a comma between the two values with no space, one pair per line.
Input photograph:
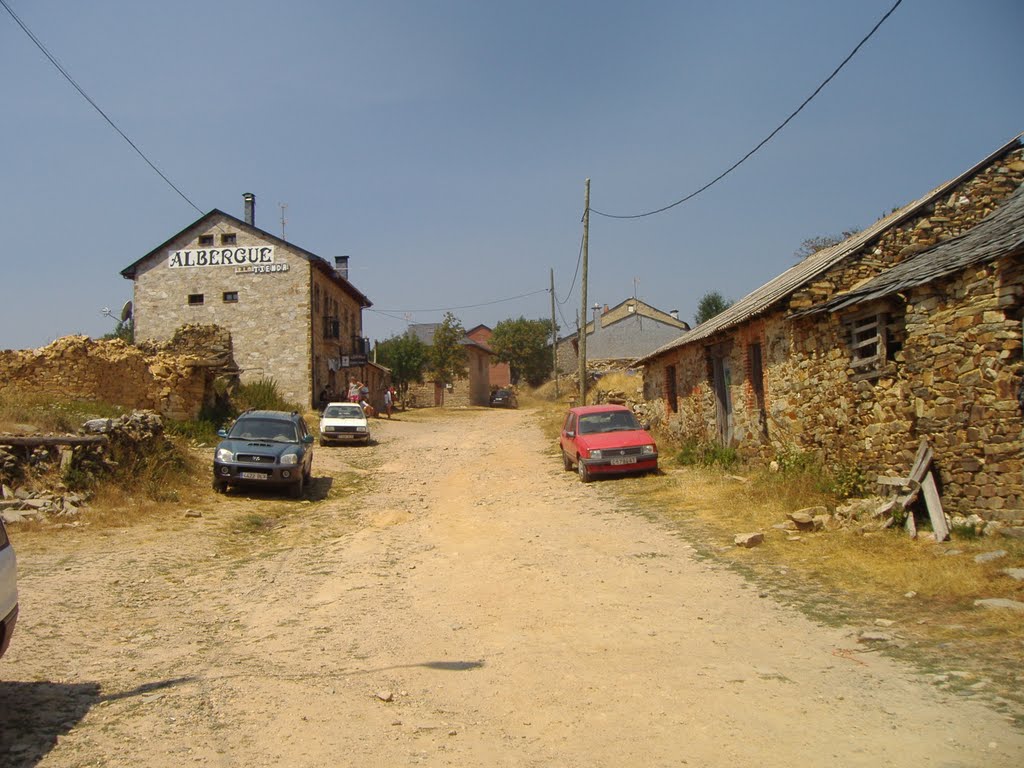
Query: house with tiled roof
[911,329]
[472,389]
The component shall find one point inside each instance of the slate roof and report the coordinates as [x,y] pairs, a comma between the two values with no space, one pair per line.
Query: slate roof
[761,299]
[318,262]
[1001,234]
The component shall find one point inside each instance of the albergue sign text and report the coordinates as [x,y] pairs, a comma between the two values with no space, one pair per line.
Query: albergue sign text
[222,257]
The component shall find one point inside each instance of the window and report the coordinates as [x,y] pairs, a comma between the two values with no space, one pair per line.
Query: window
[875,339]
[230,297]
[227,238]
[195,299]
[206,239]
[756,368]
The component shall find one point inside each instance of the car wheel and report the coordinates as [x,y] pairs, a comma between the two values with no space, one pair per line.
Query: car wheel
[299,487]
[584,472]
[566,462]
[220,486]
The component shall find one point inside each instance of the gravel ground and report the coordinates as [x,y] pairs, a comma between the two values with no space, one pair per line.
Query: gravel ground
[448,596]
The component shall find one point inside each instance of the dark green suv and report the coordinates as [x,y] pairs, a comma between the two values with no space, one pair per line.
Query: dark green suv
[264,448]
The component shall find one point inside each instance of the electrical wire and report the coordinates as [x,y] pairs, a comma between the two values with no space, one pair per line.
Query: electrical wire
[70,79]
[466,306]
[764,141]
[579,260]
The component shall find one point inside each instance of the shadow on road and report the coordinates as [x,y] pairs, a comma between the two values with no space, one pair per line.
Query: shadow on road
[36,714]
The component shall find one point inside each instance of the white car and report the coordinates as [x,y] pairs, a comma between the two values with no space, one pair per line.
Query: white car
[343,423]
[8,590]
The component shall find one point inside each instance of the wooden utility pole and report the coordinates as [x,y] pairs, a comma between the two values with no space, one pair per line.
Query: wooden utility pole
[554,334]
[583,297]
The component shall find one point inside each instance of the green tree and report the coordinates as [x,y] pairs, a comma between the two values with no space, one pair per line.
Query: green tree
[526,346]
[406,356]
[815,244]
[124,330]
[447,360]
[711,303]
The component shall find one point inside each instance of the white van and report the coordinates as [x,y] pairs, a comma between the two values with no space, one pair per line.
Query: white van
[8,590]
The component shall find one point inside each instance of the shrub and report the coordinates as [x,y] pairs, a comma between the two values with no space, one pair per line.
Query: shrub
[261,394]
[706,454]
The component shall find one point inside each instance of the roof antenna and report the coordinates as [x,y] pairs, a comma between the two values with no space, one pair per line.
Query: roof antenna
[284,209]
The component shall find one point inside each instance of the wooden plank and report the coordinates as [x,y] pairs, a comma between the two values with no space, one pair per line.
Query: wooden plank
[909,525]
[934,504]
[901,482]
[34,441]
[868,342]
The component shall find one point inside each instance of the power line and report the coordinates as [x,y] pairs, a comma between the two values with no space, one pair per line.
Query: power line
[466,306]
[764,141]
[579,258]
[78,88]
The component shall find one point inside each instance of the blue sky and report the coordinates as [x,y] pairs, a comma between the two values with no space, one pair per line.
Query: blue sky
[444,145]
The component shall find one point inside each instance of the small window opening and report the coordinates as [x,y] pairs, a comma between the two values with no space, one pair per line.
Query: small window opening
[206,239]
[227,239]
[195,299]
[230,297]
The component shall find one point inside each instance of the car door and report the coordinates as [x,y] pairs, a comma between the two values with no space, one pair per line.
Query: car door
[568,442]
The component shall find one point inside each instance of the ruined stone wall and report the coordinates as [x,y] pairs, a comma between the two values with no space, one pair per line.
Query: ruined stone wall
[174,379]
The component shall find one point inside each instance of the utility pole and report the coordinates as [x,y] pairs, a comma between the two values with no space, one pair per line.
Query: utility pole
[554,334]
[583,296]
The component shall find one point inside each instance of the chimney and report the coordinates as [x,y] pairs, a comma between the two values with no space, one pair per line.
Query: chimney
[250,208]
[674,314]
[341,267]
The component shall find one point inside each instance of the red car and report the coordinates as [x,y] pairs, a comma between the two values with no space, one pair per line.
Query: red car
[606,440]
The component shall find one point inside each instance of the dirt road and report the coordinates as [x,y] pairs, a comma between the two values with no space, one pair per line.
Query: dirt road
[452,598]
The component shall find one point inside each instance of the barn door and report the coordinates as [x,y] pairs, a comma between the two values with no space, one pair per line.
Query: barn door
[722,373]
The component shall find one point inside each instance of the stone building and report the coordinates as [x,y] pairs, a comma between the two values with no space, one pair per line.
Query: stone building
[292,316]
[472,389]
[909,329]
[629,330]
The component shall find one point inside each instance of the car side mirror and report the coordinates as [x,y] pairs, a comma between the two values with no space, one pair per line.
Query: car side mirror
[222,432]
[570,433]
[307,439]
[645,425]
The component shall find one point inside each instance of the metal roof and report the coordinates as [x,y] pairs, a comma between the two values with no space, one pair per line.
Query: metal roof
[1001,234]
[761,299]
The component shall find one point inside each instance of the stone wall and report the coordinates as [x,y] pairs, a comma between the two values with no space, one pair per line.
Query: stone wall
[175,379]
[954,376]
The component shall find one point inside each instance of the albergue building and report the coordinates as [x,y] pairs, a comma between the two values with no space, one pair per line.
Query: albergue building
[293,316]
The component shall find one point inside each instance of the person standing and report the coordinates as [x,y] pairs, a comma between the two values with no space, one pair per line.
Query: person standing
[353,391]
[388,402]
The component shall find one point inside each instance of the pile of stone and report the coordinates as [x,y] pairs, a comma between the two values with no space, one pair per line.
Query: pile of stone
[23,505]
[36,470]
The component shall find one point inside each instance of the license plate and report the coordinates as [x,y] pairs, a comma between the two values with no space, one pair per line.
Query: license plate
[253,475]
[617,462]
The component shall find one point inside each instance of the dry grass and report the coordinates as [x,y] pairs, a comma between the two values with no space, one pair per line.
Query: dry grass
[28,411]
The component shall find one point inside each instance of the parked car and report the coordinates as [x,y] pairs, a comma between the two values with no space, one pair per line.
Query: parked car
[344,423]
[504,398]
[606,440]
[264,448]
[8,590]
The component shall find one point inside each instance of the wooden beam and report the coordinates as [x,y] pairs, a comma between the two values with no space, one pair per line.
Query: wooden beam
[934,504]
[35,441]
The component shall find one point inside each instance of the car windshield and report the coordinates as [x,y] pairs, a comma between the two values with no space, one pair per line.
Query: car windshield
[274,430]
[610,421]
[343,412]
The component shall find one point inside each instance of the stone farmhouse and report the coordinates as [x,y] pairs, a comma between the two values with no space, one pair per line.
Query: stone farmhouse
[473,389]
[909,329]
[630,329]
[499,374]
[292,316]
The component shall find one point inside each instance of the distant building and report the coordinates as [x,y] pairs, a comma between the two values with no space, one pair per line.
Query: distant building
[627,331]
[473,389]
[292,316]
[500,374]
